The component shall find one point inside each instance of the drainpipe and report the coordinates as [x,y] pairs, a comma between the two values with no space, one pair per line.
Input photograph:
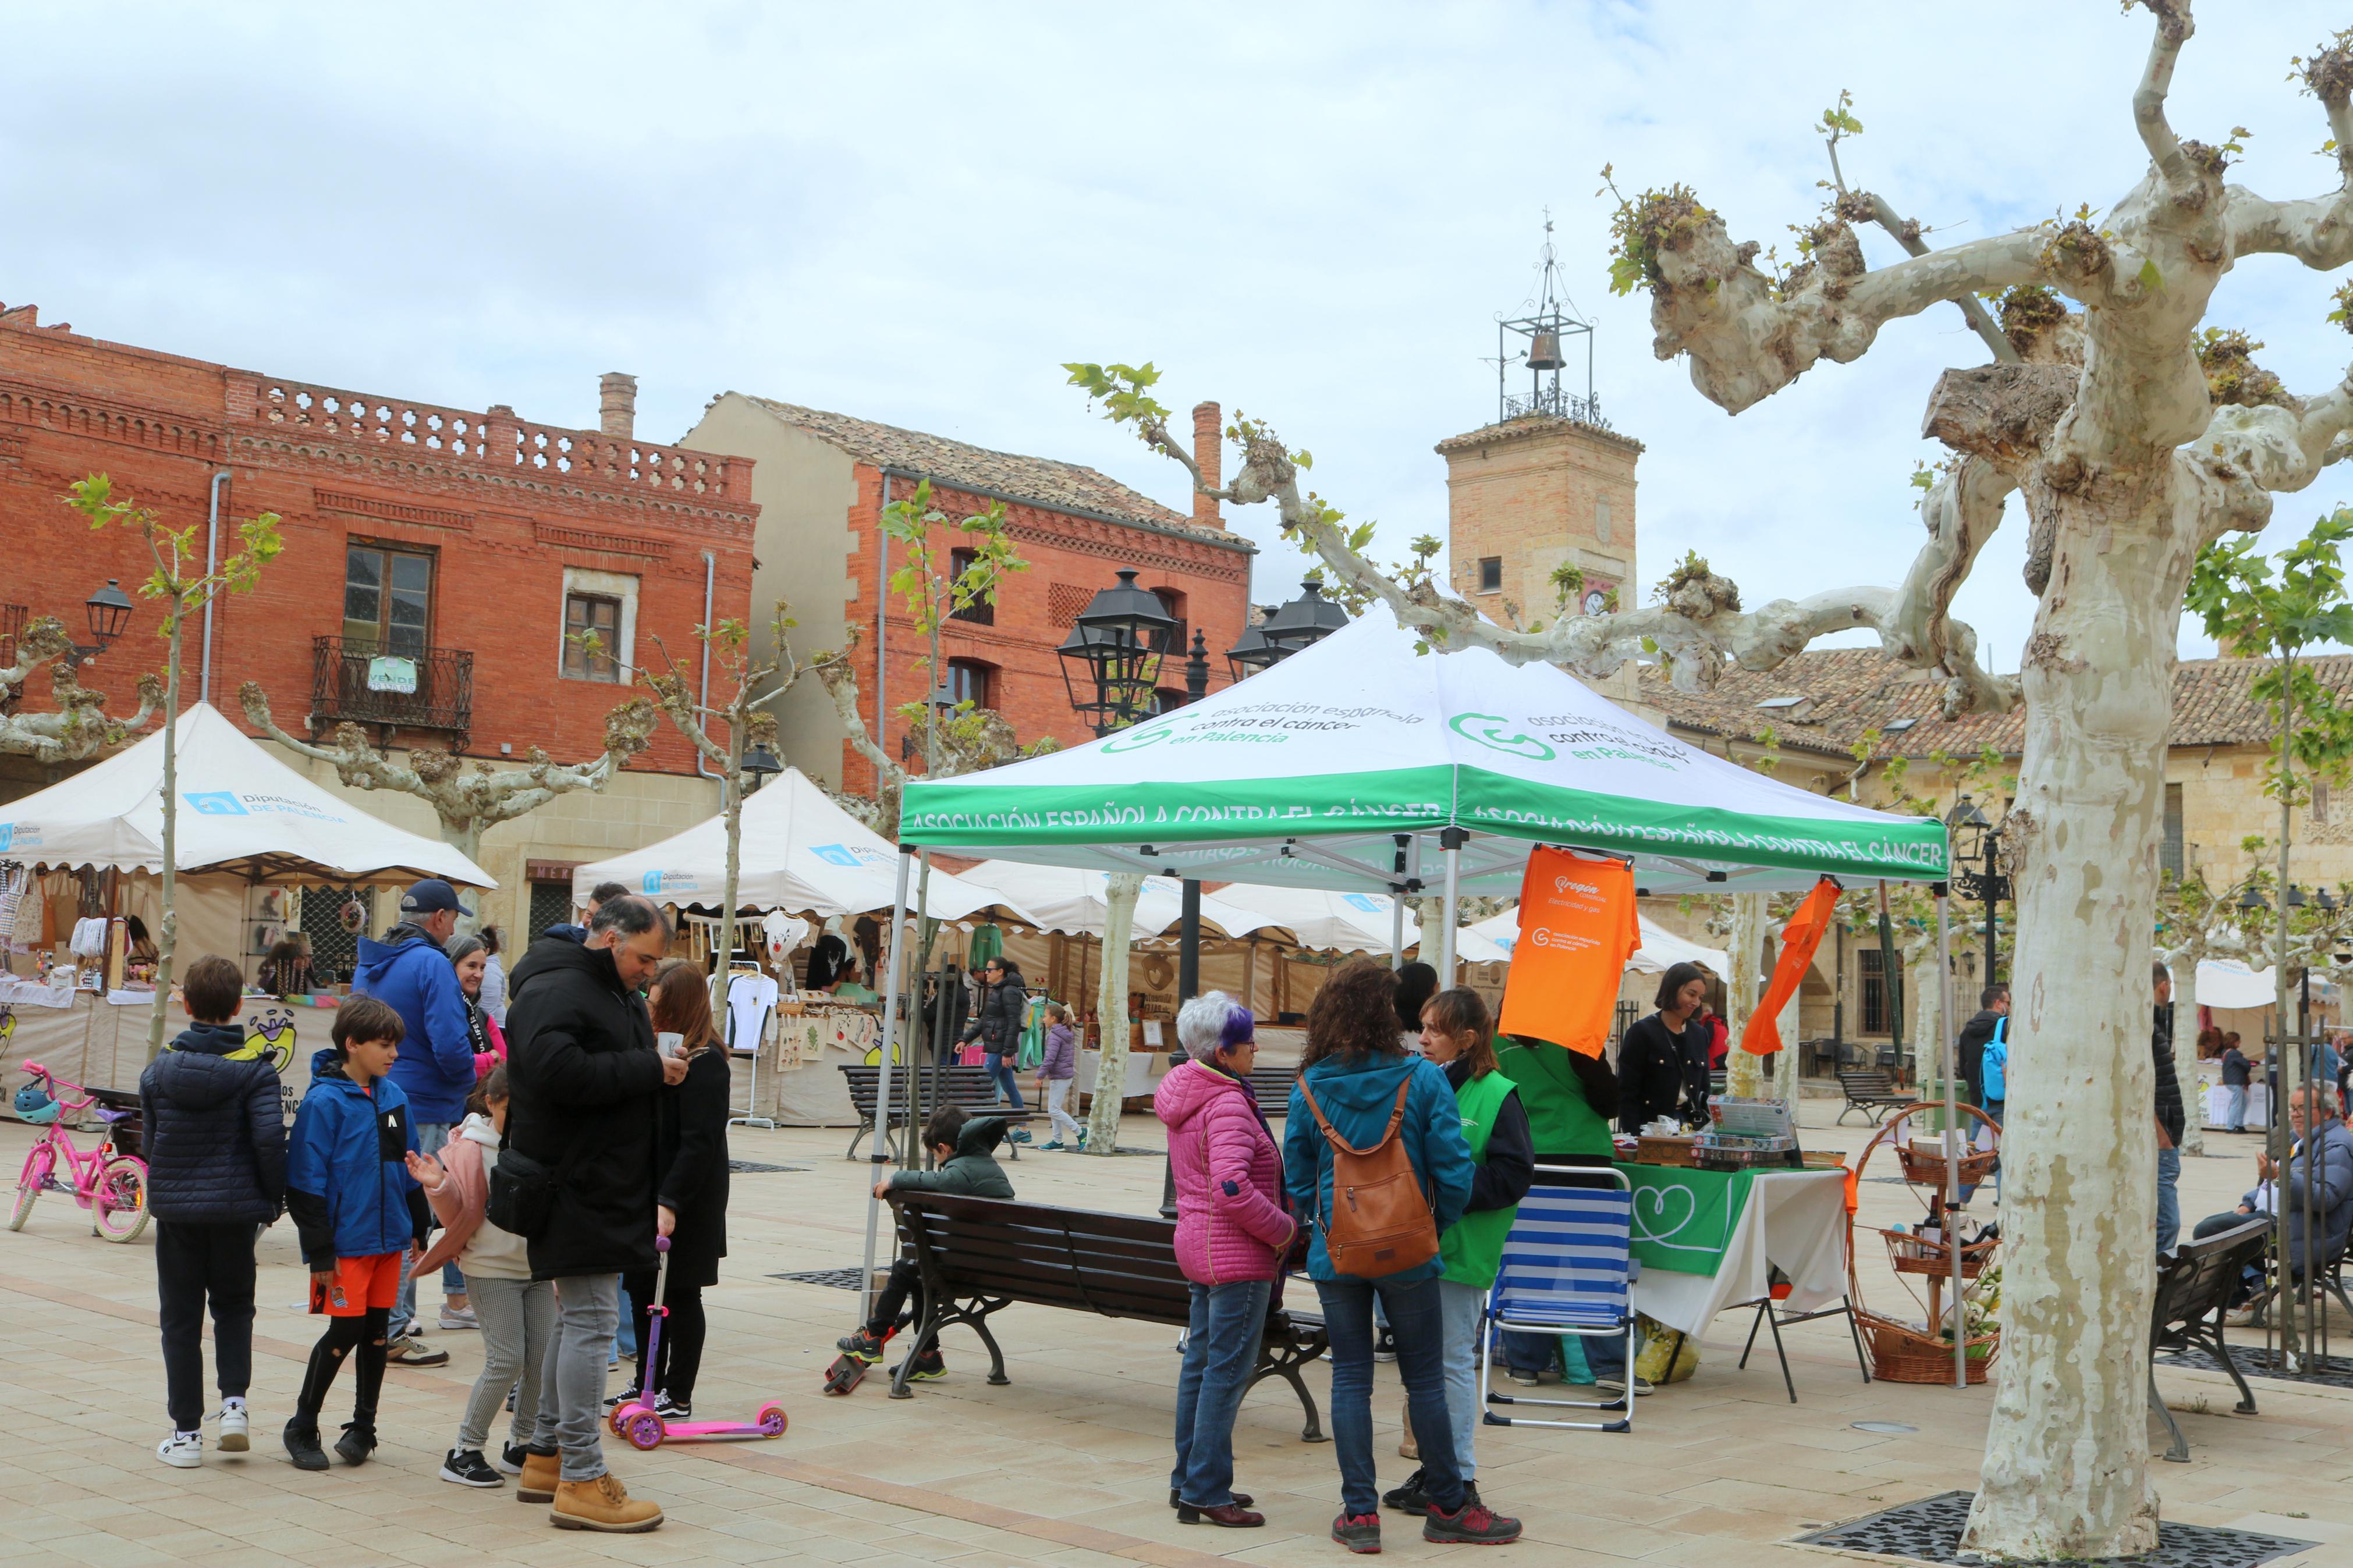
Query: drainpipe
[881,622]
[709,581]
[212,552]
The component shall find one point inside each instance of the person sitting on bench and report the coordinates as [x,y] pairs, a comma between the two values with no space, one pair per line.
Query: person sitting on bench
[962,1150]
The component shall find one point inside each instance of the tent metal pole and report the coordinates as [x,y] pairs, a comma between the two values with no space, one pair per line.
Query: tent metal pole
[1396,905]
[876,1157]
[1954,1144]
[1452,840]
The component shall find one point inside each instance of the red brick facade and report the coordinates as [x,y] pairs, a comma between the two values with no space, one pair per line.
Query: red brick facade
[499,507]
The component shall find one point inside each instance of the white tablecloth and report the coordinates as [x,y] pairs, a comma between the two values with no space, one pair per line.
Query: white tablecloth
[2259,1106]
[1793,1220]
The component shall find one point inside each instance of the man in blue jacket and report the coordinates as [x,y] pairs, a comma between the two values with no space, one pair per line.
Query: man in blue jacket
[410,971]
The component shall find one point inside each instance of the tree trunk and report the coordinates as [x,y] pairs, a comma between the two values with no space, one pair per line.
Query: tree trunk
[2185,1054]
[1785,1060]
[731,801]
[167,929]
[1920,989]
[1111,1013]
[2295,1062]
[1745,1074]
[465,835]
[2066,1462]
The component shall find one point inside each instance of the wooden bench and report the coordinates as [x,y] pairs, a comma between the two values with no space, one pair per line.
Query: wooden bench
[970,1087]
[977,1255]
[1871,1091]
[2194,1287]
[1273,1087]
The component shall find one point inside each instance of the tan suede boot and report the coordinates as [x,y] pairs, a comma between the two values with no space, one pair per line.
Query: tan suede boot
[540,1472]
[602,1504]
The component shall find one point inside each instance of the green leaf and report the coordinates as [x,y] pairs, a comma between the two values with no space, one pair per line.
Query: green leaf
[2151,278]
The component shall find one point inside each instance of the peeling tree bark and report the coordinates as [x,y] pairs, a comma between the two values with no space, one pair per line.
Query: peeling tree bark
[1111,1012]
[1743,1073]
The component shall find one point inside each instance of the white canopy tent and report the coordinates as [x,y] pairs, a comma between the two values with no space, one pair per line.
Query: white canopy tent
[800,853]
[1660,948]
[1068,899]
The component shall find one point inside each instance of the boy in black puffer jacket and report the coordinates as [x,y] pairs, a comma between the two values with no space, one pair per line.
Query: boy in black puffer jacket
[216,1146]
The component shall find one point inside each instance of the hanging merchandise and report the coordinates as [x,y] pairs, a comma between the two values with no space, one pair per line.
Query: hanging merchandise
[751,1003]
[1578,927]
[988,941]
[1761,1037]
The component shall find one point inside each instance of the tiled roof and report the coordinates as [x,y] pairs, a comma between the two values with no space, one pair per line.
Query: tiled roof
[1843,692]
[1527,425]
[1044,480]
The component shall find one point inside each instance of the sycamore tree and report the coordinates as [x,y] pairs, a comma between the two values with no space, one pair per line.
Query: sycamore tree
[2134,440]
[77,727]
[184,590]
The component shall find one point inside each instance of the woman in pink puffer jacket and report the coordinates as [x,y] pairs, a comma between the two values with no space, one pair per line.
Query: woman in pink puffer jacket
[1232,1234]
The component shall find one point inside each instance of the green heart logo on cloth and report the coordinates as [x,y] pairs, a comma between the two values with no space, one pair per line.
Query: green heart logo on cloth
[1651,1226]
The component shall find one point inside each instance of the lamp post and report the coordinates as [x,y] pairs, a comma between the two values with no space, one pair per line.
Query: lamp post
[109,614]
[760,765]
[1111,660]
[1974,838]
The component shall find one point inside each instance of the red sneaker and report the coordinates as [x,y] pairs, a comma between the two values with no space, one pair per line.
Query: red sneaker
[1474,1524]
[1359,1533]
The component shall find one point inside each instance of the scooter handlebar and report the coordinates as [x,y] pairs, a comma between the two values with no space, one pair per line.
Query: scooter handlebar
[661,1243]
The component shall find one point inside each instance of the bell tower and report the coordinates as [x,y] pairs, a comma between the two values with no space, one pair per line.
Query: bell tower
[1548,484]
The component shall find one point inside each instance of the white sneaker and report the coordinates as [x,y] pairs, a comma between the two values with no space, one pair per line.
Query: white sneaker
[236,1432]
[456,1318]
[182,1450]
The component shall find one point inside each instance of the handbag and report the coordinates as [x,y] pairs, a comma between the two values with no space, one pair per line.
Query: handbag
[521,1198]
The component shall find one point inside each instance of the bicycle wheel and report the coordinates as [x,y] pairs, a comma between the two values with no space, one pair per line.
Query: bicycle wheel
[37,1166]
[118,1208]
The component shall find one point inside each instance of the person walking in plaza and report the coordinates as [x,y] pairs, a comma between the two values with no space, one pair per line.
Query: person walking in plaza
[1057,1072]
[584,1074]
[964,1161]
[2168,1115]
[2238,1072]
[1359,1087]
[1457,1035]
[215,1150]
[690,1186]
[357,1212]
[410,971]
[995,1027]
[1232,1235]
[1655,1060]
[469,957]
[1969,1047]
[517,1312]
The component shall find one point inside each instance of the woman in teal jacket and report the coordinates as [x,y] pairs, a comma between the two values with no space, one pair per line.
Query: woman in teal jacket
[1354,1064]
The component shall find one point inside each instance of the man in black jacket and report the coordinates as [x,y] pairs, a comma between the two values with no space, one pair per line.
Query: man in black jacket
[2171,1118]
[583,1073]
[1993,1007]
[216,1148]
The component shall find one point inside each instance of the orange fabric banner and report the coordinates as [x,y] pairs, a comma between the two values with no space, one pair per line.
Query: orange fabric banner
[1578,927]
[1762,1036]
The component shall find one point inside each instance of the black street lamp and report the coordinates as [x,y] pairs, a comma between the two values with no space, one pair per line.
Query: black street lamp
[109,613]
[1974,838]
[1251,652]
[1304,622]
[760,765]
[1111,660]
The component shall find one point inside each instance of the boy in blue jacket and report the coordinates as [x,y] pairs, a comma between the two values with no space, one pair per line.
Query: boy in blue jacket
[357,1212]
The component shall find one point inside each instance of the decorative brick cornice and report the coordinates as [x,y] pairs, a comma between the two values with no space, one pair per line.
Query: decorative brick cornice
[103,420]
[590,539]
[387,511]
[1533,429]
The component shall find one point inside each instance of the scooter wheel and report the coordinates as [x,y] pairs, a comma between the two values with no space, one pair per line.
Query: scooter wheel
[620,1419]
[771,1421]
[645,1429]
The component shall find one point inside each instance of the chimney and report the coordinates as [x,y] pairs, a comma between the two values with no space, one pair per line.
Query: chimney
[617,404]
[1209,455]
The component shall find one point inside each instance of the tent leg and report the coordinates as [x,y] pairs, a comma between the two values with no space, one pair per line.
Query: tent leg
[1396,903]
[1453,840]
[878,1152]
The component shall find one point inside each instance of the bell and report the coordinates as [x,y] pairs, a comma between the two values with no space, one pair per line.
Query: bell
[1545,353]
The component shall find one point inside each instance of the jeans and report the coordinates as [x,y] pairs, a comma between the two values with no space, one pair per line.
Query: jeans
[624,1331]
[1058,1100]
[680,1357]
[1007,1082]
[432,1137]
[906,1280]
[2234,1106]
[1415,1319]
[1221,1344]
[195,1263]
[1463,1310]
[2168,1202]
[518,1322]
[572,1382]
[1605,1354]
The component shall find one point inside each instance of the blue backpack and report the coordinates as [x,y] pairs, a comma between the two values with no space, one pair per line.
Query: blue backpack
[1996,1056]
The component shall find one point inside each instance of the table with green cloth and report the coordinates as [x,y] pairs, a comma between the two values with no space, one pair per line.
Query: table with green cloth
[1707,1239]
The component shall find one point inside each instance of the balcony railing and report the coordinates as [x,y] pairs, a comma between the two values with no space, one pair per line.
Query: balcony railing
[352,681]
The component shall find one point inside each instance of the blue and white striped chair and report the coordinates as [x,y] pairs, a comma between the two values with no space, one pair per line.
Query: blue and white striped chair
[1566,1270]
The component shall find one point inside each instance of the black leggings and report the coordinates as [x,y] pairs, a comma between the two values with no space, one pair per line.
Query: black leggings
[366,1335]
[681,1334]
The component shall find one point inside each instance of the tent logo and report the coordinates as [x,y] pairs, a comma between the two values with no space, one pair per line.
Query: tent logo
[216,803]
[835,855]
[7,834]
[1488,730]
[1365,902]
[1136,740]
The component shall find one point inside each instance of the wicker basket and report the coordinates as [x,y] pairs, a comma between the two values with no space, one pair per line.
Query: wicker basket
[1923,1163]
[1663,1151]
[1902,1353]
[1912,1254]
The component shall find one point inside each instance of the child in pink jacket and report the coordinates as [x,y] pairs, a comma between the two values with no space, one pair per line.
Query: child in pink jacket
[1233,1235]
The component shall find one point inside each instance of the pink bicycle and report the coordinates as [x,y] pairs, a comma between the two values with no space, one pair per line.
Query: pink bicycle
[111,1184]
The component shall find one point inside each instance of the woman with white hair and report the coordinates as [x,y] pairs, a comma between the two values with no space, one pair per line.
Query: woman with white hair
[1232,1233]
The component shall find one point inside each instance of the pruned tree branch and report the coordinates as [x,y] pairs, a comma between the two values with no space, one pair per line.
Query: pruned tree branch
[2174,27]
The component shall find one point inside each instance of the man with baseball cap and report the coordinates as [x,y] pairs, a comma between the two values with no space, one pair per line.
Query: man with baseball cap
[410,972]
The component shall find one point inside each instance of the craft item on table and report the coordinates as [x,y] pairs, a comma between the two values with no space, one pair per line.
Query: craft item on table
[1578,927]
[88,938]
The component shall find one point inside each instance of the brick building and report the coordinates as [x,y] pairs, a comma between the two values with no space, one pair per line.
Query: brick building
[469,542]
[822,481]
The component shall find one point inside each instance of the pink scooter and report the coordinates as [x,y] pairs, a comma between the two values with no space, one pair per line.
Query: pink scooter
[636,1419]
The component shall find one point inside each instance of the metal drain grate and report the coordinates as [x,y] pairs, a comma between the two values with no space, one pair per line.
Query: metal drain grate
[837,1279]
[1929,1531]
[2328,1372]
[753,1168]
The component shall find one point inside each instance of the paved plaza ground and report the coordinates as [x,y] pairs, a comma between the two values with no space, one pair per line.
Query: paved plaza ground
[1068,1466]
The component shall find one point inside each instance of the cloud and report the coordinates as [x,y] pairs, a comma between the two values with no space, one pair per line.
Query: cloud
[1313,213]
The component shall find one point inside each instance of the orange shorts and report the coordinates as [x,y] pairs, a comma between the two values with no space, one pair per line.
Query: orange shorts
[359,1284]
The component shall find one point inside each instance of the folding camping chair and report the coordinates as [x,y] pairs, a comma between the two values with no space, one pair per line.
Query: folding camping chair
[1566,1268]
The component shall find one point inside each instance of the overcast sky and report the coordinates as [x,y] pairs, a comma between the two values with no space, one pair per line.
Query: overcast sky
[915,213]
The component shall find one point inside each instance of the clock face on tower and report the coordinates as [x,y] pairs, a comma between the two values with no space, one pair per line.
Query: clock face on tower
[1597,600]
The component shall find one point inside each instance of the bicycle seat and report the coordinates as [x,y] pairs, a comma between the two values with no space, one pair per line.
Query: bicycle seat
[104,1114]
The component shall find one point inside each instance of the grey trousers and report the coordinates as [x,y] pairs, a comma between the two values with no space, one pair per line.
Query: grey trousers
[572,1383]
[518,1318]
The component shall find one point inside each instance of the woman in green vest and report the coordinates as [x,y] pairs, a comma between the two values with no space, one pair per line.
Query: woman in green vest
[1571,1101]
[1457,1035]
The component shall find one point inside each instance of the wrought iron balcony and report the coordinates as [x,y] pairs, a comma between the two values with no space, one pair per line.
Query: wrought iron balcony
[352,680]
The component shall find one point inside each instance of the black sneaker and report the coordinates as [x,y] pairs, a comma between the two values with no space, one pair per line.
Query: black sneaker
[303,1446]
[929,1367]
[469,1469]
[1474,1524]
[1385,1346]
[669,1409]
[356,1443]
[1408,1498]
[510,1457]
[866,1347]
[1360,1534]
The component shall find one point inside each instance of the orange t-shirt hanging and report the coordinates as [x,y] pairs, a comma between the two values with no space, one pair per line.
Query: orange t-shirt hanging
[1762,1036]
[1578,927]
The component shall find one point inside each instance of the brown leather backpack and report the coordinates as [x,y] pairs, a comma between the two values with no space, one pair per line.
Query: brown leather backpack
[1381,1222]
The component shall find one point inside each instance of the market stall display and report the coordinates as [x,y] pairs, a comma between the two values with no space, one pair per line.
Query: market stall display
[1935,1154]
